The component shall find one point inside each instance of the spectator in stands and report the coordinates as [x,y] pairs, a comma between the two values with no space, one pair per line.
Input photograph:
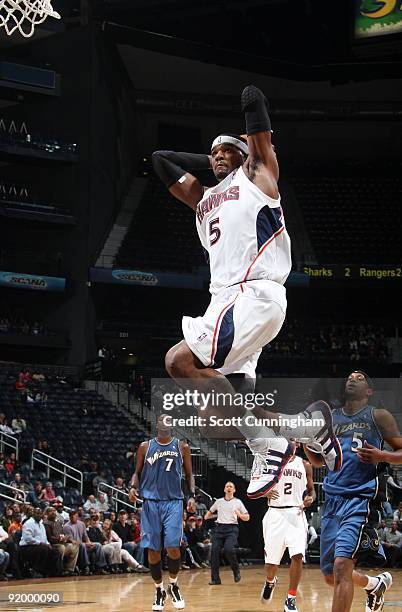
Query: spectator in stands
[16,524]
[7,517]
[200,506]
[136,535]
[381,530]
[18,424]
[392,544]
[398,515]
[61,515]
[10,464]
[125,533]
[191,507]
[29,512]
[192,541]
[35,548]
[43,445]
[96,534]
[91,503]
[59,541]
[121,554]
[112,517]
[10,547]
[19,484]
[47,494]
[34,496]
[203,540]
[4,561]
[90,553]
[102,503]
[120,485]
[5,427]
[102,477]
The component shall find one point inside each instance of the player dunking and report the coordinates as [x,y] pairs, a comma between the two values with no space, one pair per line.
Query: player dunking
[285,526]
[362,429]
[241,227]
[157,481]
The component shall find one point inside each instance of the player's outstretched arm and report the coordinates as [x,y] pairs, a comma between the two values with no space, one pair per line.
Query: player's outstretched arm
[188,467]
[261,165]
[174,171]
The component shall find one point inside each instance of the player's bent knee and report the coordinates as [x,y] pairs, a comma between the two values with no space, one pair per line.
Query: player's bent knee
[180,361]
[343,569]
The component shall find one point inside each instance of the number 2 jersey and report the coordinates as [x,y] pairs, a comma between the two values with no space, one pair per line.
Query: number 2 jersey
[162,471]
[243,232]
[291,486]
[355,478]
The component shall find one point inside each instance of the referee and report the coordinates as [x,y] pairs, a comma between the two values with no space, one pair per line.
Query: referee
[229,509]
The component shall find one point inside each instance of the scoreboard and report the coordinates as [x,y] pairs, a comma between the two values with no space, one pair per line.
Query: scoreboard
[353,272]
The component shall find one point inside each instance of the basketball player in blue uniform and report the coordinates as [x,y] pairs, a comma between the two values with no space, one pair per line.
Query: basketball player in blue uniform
[241,227]
[350,492]
[157,481]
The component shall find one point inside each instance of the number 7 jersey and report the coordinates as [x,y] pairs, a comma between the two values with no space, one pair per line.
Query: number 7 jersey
[243,232]
[162,471]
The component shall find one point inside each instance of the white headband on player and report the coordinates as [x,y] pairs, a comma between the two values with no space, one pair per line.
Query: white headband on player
[225,139]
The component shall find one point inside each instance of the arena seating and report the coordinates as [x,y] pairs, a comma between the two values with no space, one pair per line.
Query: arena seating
[346,216]
[102,434]
[162,235]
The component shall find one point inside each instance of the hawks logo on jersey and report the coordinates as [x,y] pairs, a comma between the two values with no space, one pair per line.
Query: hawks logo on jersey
[215,199]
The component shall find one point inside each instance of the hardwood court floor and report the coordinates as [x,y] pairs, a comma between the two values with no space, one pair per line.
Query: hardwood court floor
[134,593]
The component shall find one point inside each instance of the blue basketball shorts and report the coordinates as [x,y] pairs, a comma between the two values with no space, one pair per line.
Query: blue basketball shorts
[342,524]
[161,524]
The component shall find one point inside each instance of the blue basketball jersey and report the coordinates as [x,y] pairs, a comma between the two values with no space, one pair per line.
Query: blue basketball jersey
[355,478]
[162,471]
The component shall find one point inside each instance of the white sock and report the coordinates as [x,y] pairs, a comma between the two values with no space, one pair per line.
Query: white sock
[159,586]
[372,583]
[172,580]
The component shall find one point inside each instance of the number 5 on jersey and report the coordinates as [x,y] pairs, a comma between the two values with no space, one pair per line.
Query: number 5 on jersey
[214,231]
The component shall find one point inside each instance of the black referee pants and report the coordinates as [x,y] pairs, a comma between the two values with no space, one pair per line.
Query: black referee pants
[224,538]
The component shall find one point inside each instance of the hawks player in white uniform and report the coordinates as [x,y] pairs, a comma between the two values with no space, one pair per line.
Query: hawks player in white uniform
[242,229]
[285,527]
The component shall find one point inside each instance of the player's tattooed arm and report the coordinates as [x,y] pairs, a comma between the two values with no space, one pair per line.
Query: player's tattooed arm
[389,429]
[311,494]
[261,165]
[187,465]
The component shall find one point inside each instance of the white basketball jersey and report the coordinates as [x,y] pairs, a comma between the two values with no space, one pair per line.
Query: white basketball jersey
[243,232]
[292,485]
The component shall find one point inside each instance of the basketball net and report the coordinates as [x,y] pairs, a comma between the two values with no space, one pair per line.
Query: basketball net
[24,15]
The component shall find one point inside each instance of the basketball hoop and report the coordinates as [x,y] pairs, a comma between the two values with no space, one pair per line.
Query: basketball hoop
[24,15]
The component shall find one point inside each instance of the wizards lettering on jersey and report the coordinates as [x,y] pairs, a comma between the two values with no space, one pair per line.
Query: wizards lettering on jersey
[158,454]
[341,429]
[291,472]
[215,199]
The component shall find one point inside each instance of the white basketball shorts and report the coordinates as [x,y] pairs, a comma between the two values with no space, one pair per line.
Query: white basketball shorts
[237,324]
[284,528]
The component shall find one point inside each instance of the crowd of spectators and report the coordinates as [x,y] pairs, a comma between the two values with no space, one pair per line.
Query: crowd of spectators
[14,321]
[353,342]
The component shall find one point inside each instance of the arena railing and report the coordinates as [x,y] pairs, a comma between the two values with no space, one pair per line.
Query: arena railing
[9,489]
[222,452]
[9,441]
[51,463]
[117,496]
